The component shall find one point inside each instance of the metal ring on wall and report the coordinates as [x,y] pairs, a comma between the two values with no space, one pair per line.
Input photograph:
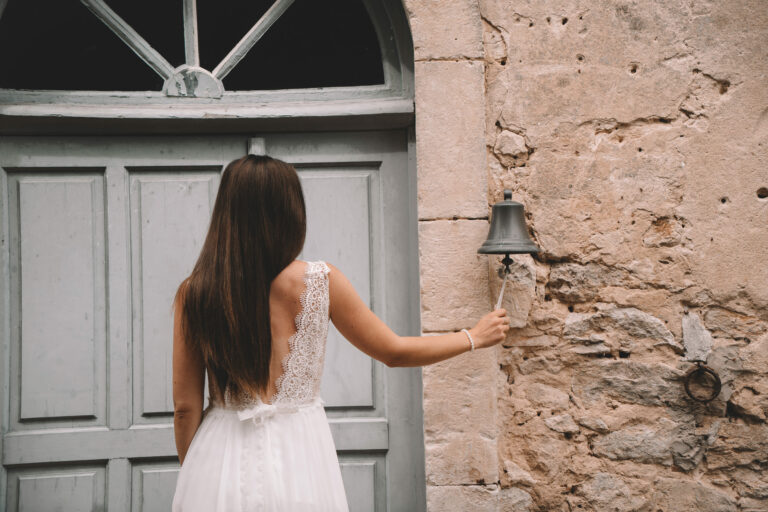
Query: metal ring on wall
[699,371]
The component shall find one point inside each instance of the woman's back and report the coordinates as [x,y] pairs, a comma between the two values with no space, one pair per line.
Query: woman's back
[284,306]
[272,452]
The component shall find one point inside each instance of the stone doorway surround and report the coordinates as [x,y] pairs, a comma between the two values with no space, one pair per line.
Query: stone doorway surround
[460,411]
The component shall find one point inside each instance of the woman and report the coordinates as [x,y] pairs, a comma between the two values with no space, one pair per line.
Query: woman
[256,320]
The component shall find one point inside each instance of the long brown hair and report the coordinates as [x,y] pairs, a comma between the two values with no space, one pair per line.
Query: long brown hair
[257,228]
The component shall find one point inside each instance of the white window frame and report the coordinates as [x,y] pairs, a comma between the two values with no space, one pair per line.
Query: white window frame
[392,101]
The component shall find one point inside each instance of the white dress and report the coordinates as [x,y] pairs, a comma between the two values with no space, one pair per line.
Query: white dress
[271,457]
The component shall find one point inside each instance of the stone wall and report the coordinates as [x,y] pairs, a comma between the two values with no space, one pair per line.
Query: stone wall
[634,132]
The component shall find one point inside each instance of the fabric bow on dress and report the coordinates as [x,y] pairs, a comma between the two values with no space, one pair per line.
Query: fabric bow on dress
[261,411]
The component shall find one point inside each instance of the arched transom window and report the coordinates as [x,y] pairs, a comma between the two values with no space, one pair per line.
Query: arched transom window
[197,48]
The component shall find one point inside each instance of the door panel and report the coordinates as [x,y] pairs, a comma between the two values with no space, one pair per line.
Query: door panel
[169,218]
[55,214]
[98,233]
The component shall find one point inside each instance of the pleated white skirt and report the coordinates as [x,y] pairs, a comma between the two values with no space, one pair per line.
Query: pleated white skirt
[268,458]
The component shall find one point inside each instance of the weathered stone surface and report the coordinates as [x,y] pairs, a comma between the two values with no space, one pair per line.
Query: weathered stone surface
[678,494]
[635,134]
[459,396]
[463,498]
[547,453]
[461,459]
[746,377]
[666,444]
[749,482]
[751,505]
[593,423]
[571,282]
[625,329]
[732,324]
[754,358]
[607,492]
[454,278]
[515,499]
[450,147]
[630,382]
[663,232]
[739,444]
[431,40]
[460,423]
[543,340]
[516,475]
[547,397]
[750,400]
[538,364]
[562,423]
[696,338]
[511,149]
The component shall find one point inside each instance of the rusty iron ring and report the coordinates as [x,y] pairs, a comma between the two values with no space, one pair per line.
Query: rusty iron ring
[702,369]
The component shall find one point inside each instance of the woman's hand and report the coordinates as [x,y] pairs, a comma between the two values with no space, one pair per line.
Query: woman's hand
[491,329]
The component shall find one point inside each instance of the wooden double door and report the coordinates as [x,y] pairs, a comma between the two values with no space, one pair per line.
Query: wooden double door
[97,233]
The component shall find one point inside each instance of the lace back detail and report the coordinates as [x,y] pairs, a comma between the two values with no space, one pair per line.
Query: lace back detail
[303,365]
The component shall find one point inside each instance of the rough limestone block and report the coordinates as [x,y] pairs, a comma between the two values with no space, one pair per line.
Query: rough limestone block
[562,423]
[605,491]
[738,444]
[460,395]
[461,459]
[680,494]
[515,499]
[431,39]
[629,382]
[462,498]
[450,140]
[517,475]
[696,338]
[731,324]
[626,329]
[546,397]
[755,356]
[593,423]
[566,63]
[454,278]
[665,443]
[571,282]
[511,149]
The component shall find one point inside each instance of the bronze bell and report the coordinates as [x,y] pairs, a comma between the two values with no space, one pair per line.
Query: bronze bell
[507,235]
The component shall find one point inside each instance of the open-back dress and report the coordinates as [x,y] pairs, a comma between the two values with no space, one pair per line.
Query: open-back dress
[279,456]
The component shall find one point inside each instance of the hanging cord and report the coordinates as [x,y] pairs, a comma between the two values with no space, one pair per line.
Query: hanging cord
[501,294]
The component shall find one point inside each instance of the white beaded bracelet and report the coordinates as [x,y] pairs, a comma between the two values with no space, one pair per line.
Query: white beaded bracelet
[471,341]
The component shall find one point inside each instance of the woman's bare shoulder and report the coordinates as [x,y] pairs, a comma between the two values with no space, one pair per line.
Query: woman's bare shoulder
[340,286]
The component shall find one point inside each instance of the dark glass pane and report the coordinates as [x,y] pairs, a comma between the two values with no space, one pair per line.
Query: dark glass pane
[160,23]
[314,44]
[222,23]
[60,44]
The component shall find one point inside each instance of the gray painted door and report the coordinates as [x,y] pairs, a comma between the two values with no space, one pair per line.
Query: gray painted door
[96,235]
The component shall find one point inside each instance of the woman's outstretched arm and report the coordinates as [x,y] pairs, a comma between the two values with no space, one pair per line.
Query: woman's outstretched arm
[188,387]
[358,324]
